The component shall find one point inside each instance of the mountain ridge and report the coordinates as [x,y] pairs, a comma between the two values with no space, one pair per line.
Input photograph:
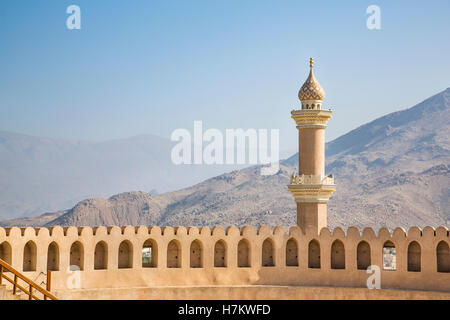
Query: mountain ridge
[392,171]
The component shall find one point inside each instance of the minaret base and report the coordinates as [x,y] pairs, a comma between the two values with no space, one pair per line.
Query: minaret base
[311,215]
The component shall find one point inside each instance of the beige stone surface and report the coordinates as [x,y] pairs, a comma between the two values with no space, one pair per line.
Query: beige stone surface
[247,260]
[255,292]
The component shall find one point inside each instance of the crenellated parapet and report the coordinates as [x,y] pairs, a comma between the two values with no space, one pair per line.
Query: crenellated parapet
[418,259]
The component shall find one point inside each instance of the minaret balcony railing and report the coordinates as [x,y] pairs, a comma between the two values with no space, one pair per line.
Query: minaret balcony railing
[311,118]
[311,179]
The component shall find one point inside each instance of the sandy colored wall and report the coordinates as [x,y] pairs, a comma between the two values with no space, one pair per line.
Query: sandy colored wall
[265,247]
[254,292]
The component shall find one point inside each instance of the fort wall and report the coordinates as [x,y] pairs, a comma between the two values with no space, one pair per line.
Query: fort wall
[112,257]
[248,292]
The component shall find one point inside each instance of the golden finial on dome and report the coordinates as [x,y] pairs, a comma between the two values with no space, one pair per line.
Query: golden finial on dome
[311,63]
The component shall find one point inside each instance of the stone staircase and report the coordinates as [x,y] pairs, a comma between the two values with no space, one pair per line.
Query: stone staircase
[7,294]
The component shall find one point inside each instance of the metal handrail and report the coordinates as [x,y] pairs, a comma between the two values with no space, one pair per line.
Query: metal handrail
[31,284]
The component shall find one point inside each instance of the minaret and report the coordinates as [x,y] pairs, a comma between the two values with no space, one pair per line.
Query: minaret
[311,188]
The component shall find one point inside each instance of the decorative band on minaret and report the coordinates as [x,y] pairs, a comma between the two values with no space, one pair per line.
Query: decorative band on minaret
[310,187]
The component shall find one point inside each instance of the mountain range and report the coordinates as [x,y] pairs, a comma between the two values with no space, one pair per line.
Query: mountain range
[393,171]
[44,175]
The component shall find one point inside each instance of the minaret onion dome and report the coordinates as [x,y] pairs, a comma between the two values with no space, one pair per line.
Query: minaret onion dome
[311,94]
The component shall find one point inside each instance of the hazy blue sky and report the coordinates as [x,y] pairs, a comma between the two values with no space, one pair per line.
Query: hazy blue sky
[151,66]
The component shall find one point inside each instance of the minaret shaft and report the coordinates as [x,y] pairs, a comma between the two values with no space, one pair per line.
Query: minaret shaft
[311,162]
[311,147]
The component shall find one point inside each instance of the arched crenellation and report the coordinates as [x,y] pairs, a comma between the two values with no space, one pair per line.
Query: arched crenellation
[29,256]
[125,255]
[337,255]
[53,257]
[443,257]
[220,254]
[389,256]
[173,254]
[244,252]
[294,257]
[414,257]
[363,255]
[268,253]
[76,256]
[314,254]
[292,253]
[101,256]
[150,254]
[196,254]
[6,252]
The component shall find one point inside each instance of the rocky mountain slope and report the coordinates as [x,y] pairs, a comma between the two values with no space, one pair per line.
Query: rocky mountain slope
[394,171]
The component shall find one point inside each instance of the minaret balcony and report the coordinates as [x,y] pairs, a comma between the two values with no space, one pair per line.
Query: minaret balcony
[311,118]
[311,188]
